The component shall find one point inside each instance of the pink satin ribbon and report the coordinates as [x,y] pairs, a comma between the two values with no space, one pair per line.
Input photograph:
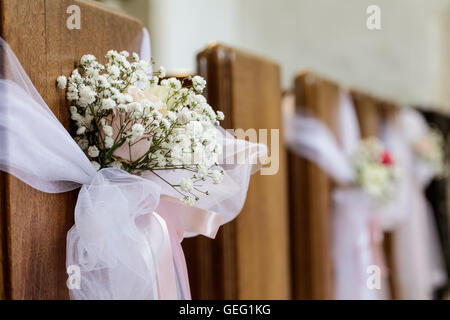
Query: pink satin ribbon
[175,218]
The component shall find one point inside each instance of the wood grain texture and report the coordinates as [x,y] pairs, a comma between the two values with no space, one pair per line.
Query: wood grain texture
[34,224]
[250,257]
[310,201]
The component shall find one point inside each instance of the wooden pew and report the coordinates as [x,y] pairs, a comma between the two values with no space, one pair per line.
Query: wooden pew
[372,112]
[249,259]
[310,187]
[310,197]
[33,225]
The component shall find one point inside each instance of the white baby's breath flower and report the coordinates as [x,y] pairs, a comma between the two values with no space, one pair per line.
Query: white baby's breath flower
[162,72]
[154,80]
[203,171]
[83,143]
[109,142]
[93,151]
[189,201]
[125,53]
[114,71]
[87,59]
[96,165]
[220,115]
[108,130]
[186,184]
[116,164]
[199,83]
[122,107]
[61,82]
[217,176]
[165,123]
[87,95]
[135,107]
[137,130]
[172,116]
[185,116]
[127,98]
[108,104]
[147,103]
[81,130]
[174,83]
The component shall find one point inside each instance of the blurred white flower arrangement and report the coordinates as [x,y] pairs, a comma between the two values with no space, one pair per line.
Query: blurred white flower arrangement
[375,170]
[127,119]
[429,149]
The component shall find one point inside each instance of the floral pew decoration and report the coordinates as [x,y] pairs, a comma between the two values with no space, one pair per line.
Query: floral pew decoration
[416,248]
[152,162]
[366,176]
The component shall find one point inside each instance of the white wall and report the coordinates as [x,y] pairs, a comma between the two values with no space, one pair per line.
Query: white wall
[407,60]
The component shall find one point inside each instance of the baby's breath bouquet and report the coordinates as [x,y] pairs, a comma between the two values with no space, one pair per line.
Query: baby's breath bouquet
[429,148]
[129,119]
[375,170]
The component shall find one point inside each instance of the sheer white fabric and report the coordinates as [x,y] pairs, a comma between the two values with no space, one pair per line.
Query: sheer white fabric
[118,239]
[418,262]
[352,212]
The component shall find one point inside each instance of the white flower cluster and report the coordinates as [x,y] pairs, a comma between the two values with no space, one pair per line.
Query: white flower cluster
[375,170]
[429,149]
[130,120]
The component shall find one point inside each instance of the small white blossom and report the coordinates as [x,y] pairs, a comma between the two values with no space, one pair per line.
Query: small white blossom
[174,83]
[116,164]
[189,201]
[217,176]
[93,151]
[108,104]
[87,95]
[220,115]
[83,144]
[186,184]
[203,171]
[137,130]
[108,130]
[109,142]
[96,165]
[81,130]
[87,59]
[114,71]
[199,83]
[135,107]
[122,107]
[162,72]
[154,80]
[61,82]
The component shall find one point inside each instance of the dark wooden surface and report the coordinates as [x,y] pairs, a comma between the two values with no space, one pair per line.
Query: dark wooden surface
[437,194]
[34,224]
[310,198]
[249,259]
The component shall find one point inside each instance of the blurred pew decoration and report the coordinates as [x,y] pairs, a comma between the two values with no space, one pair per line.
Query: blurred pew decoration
[249,259]
[33,225]
[437,194]
[333,249]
